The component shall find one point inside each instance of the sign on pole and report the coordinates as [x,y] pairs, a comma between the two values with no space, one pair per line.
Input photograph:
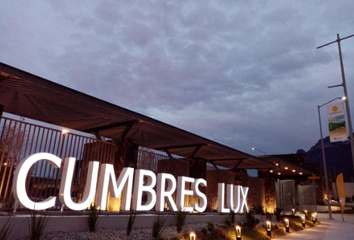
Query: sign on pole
[336,122]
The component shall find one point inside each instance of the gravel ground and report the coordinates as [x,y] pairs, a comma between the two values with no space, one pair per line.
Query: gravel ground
[136,234]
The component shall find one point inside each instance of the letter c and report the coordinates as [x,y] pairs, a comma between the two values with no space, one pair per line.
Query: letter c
[19,181]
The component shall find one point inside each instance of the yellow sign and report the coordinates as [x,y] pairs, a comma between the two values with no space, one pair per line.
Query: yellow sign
[341,191]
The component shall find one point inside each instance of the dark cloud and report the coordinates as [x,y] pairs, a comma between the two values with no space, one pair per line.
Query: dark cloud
[245,73]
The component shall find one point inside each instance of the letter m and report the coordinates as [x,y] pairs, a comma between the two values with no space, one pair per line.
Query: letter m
[107,181]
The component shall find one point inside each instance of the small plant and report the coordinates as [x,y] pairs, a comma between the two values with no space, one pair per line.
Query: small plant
[92,220]
[158,227]
[131,220]
[258,209]
[180,220]
[6,229]
[37,224]
[251,221]
[269,216]
[278,214]
[210,226]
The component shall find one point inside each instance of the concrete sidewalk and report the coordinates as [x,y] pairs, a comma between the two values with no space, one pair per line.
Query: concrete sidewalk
[328,229]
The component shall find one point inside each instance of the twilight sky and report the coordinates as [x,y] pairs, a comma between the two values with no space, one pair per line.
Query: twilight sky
[242,73]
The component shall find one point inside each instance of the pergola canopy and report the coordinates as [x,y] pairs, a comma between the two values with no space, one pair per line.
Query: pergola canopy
[30,96]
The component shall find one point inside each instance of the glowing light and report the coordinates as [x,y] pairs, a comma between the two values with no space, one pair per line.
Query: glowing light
[294,170]
[300,173]
[238,232]
[277,164]
[64,131]
[192,236]
[279,173]
[270,170]
[269,225]
[286,222]
[286,168]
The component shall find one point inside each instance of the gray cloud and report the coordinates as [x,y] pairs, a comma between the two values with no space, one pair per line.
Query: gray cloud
[239,72]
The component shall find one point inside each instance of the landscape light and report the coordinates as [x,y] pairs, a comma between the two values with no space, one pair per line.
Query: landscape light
[192,236]
[303,221]
[286,224]
[269,229]
[313,218]
[238,233]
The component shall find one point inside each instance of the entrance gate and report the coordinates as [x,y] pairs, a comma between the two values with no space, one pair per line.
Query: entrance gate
[285,190]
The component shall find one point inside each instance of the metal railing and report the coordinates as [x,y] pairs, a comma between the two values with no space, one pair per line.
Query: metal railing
[19,140]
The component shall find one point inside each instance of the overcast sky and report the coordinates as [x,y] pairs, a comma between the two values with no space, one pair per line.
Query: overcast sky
[242,73]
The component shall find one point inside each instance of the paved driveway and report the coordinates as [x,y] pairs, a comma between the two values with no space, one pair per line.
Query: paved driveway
[328,229]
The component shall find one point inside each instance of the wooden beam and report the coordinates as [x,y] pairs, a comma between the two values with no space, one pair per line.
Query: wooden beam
[110,126]
[168,153]
[237,165]
[181,146]
[197,148]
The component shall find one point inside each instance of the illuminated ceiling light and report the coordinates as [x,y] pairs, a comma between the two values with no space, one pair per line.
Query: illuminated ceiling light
[286,168]
[277,164]
[279,173]
[270,170]
[300,173]
[294,170]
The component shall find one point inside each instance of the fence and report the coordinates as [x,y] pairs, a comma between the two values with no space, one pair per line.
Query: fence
[19,140]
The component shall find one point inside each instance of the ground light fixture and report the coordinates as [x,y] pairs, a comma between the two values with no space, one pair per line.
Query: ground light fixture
[303,221]
[192,236]
[238,232]
[293,211]
[269,229]
[286,225]
[313,218]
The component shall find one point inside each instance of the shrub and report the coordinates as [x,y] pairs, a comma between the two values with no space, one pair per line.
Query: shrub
[180,220]
[258,209]
[277,213]
[251,221]
[131,220]
[93,217]
[269,216]
[210,226]
[36,225]
[6,229]
[158,227]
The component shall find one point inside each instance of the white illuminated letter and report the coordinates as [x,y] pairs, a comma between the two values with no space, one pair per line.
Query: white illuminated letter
[66,182]
[202,198]
[19,181]
[237,198]
[182,191]
[162,194]
[107,180]
[139,188]
[229,197]
[221,199]
[244,191]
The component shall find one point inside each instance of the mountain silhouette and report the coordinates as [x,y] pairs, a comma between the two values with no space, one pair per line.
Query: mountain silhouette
[338,158]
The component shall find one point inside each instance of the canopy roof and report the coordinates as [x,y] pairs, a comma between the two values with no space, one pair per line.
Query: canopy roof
[30,96]
[285,168]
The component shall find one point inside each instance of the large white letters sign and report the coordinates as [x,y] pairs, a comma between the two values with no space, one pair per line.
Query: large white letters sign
[145,182]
